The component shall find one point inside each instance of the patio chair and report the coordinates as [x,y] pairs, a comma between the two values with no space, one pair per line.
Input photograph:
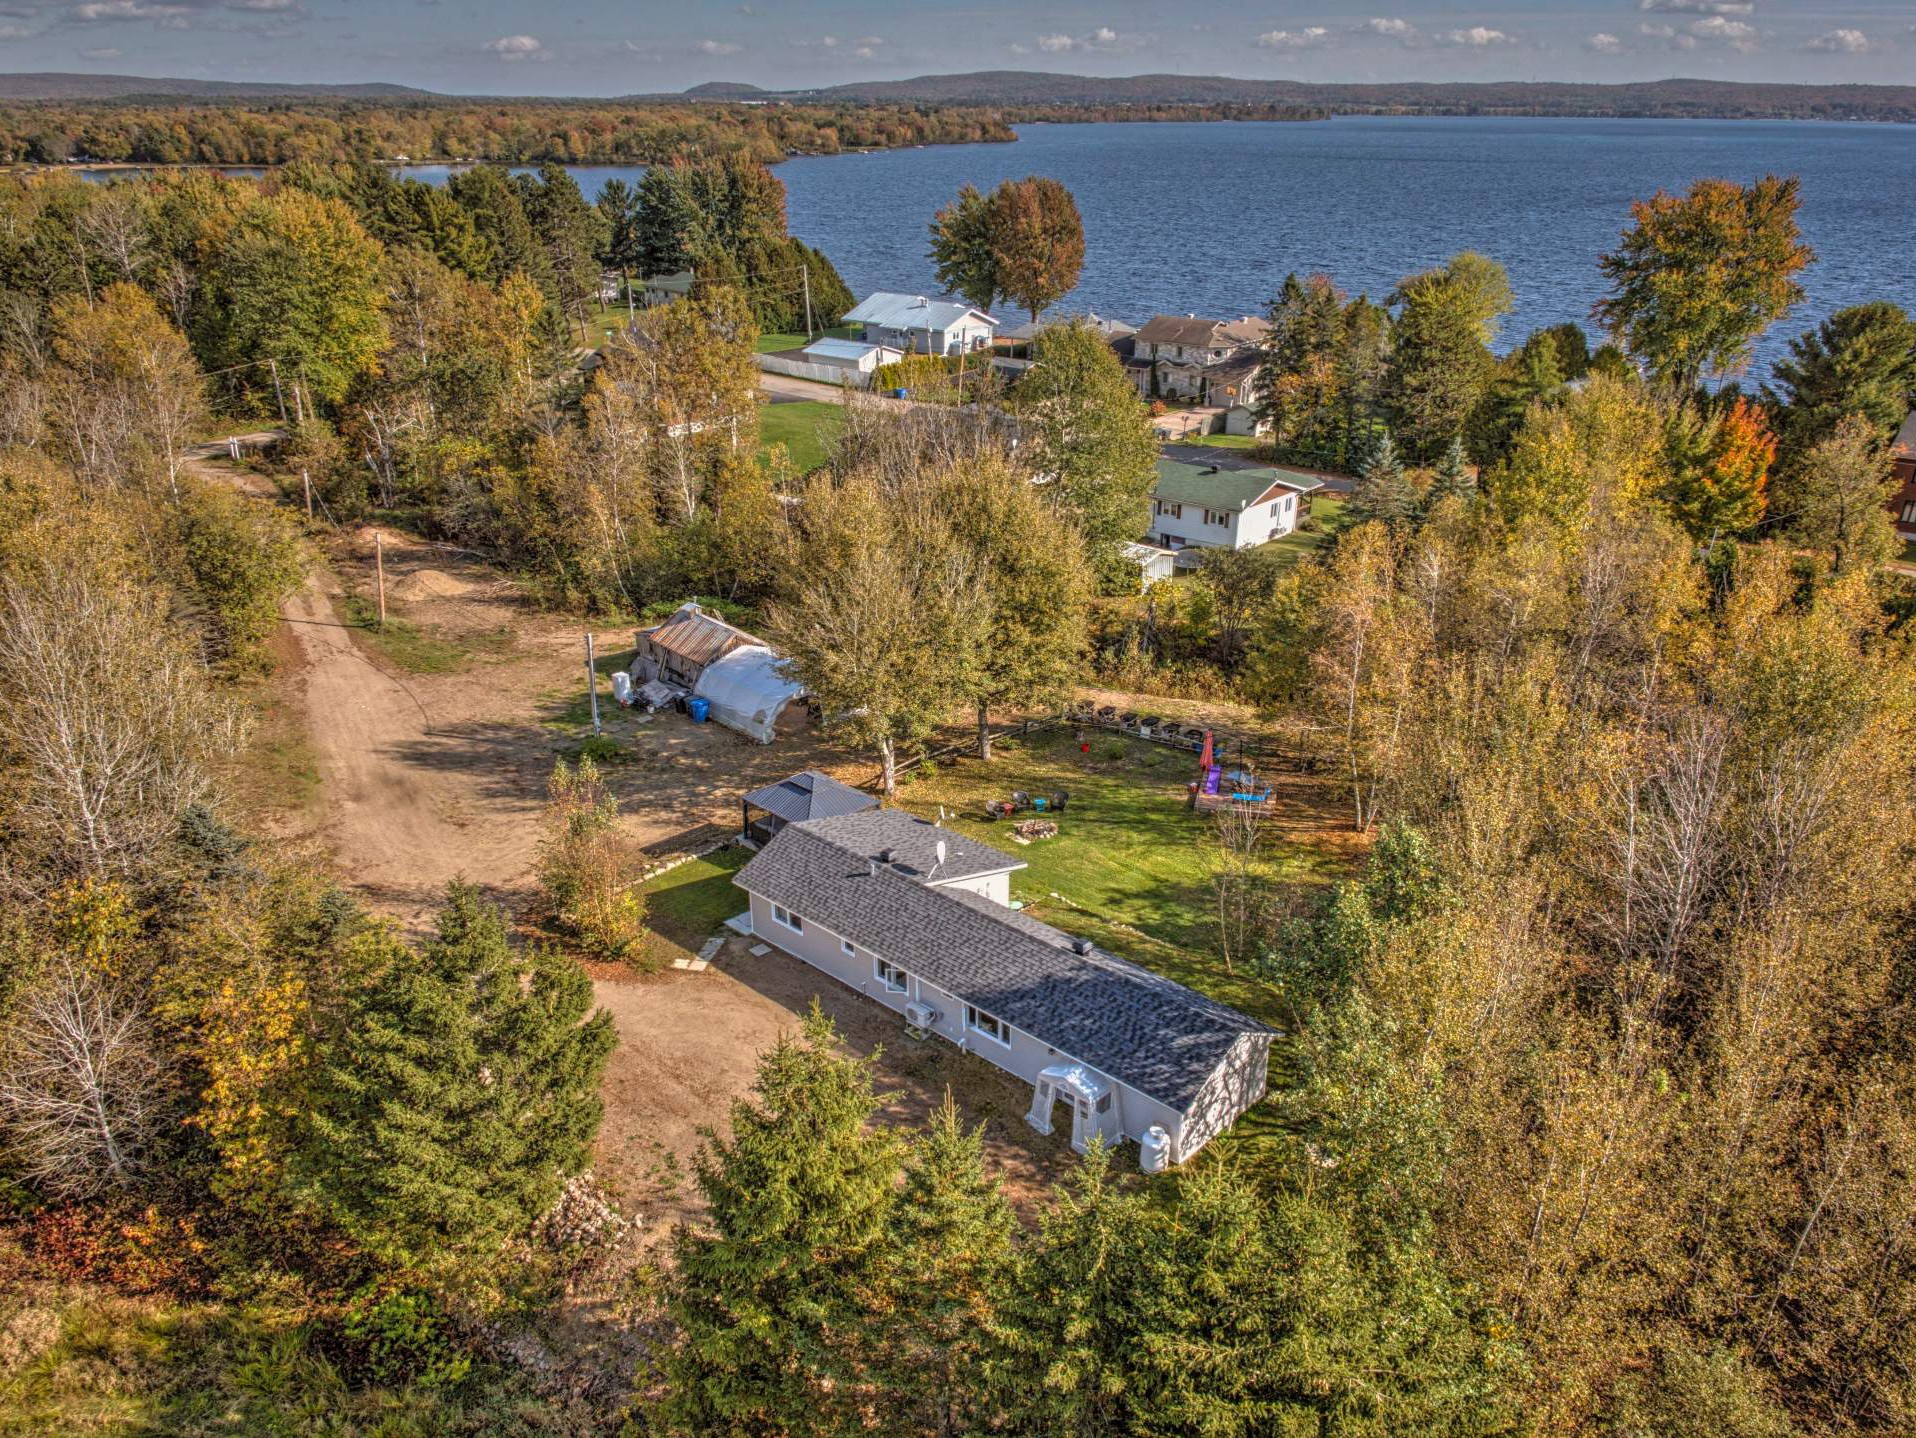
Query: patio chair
[1020,799]
[1058,801]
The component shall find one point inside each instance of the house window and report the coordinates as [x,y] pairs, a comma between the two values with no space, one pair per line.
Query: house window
[980,1022]
[1909,512]
[847,947]
[1170,511]
[891,976]
[1217,517]
[785,916]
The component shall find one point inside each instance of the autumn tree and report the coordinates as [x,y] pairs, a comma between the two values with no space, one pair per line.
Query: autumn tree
[297,285]
[1720,467]
[884,613]
[587,866]
[962,251]
[1596,452]
[124,395]
[1037,594]
[1838,502]
[1037,242]
[1698,277]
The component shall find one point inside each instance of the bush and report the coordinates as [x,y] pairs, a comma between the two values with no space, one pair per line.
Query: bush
[915,370]
[404,1337]
[588,866]
[242,558]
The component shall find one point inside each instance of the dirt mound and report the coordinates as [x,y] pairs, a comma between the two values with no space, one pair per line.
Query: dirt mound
[431,584]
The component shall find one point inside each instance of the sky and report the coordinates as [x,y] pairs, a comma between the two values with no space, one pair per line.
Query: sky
[612,47]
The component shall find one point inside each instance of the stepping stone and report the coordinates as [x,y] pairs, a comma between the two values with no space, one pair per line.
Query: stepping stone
[759,951]
[712,946]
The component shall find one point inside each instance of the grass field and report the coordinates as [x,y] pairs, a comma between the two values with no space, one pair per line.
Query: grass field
[417,650]
[1329,514]
[685,906]
[1220,441]
[805,427]
[1131,866]
[772,344]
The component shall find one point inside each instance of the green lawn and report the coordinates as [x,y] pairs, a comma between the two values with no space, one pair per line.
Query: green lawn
[1328,511]
[685,906]
[422,651]
[805,427]
[1130,865]
[1220,441]
[771,344]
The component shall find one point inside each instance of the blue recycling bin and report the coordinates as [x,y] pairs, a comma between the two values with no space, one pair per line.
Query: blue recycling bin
[698,709]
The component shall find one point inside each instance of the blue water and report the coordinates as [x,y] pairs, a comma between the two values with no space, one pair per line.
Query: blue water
[1208,218]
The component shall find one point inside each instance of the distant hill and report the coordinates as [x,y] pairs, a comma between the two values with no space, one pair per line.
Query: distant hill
[723,90]
[53,85]
[1689,99]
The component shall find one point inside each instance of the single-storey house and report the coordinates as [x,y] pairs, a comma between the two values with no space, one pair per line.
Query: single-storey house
[1184,356]
[854,357]
[1902,460]
[925,326]
[663,289]
[805,795]
[1214,507]
[747,685]
[918,918]
[1018,339]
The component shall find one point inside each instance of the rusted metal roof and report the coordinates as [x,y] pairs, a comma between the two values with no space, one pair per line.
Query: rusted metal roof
[698,637]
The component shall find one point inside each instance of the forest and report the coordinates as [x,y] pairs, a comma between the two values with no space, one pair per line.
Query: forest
[528,132]
[1594,1114]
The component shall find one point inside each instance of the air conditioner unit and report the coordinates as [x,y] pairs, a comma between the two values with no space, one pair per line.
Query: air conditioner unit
[920,1015]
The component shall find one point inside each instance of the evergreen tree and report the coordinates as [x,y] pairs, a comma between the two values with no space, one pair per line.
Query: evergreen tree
[1384,492]
[948,1258]
[1861,360]
[486,192]
[461,1093]
[572,234]
[1063,1342]
[769,1290]
[1441,358]
[1455,477]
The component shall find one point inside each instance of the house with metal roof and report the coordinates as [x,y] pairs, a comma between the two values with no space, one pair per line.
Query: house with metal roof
[805,795]
[1225,507]
[925,326]
[918,918]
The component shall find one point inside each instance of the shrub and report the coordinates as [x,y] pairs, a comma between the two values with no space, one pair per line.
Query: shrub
[588,865]
[405,1337]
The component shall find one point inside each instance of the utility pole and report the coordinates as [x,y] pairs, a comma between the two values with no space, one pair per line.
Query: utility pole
[806,271]
[379,564]
[278,393]
[592,681]
[306,478]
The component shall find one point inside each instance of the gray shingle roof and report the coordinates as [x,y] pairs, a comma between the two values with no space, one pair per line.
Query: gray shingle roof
[809,795]
[1159,1037]
[913,844]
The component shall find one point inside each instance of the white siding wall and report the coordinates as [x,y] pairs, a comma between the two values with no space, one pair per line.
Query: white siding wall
[996,887]
[1024,1056]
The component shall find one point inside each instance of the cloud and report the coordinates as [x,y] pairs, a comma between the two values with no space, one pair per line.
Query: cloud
[1477,37]
[1602,44]
[1696,7]
[1841,42]
[101,52]
[20,32]
[718,47]
[1393,29]
[1306,39]
[1101,41]
[1733,33]
[515,49]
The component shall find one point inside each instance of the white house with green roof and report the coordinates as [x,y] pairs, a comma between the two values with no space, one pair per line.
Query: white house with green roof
[1210,506]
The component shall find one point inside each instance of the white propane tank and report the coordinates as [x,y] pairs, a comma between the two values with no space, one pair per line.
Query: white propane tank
[1154,1150]
[622,687]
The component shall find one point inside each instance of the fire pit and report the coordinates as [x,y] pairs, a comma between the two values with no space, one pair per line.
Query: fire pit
[1035,829]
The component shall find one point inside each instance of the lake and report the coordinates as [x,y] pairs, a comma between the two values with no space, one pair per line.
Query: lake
[1208,218]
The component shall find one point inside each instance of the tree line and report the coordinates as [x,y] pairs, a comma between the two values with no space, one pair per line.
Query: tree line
[517,132]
